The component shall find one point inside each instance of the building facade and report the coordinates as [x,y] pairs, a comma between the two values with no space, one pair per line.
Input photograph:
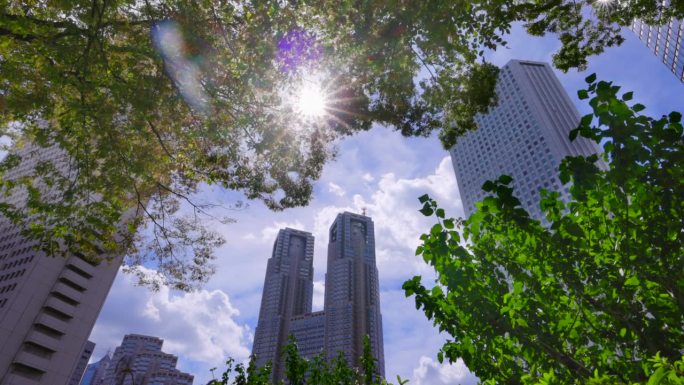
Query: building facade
[352,298]
[666,42]
[139,360]
[48,306]
[288,293]
[82,364]
[95,372]
[352,293]
[524,136]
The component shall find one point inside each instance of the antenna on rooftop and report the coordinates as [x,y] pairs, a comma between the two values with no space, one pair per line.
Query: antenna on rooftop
[363,211]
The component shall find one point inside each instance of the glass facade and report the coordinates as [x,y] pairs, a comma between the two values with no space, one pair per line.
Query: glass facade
[666,42]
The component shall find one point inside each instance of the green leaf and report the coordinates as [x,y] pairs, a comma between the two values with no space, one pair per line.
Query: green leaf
[574,229]
[632,281]
[638,107]
[439,213]
[424,198]
[505,179]
[657,377]
[583,94]
[426,210]
[436,229]
[591,78]
[627,96]
[489,186]
[675,117]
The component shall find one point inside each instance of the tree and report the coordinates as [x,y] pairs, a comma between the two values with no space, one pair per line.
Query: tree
[150,100]
[599,292]
[316,371]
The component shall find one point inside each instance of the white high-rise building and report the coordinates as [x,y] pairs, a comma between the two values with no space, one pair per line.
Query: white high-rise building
[48,305]
[665,41]
[524,136]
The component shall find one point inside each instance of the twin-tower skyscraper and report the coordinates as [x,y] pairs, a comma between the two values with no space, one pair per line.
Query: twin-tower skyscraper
[352,299]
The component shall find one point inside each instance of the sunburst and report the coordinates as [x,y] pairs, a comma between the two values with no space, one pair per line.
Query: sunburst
[321,100]
[311,100]
[605,5]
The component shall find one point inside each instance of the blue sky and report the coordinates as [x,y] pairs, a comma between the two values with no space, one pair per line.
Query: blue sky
[378,170]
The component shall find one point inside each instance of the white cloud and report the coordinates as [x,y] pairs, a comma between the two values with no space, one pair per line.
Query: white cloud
[336,189]
[199,327]
[269,234]
[398,224]
[368,177]
[318,295]
[431,372]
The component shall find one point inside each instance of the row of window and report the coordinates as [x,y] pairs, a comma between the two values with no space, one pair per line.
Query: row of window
[12,275]
[19,262]
[7,288]
[15,252]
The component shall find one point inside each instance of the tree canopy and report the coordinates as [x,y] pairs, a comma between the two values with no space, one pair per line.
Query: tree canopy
[149,100]
[597,295]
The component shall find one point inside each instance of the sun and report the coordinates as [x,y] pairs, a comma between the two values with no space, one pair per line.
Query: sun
[310,100]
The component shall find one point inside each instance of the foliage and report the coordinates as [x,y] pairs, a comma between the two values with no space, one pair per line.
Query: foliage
[316,371]
[251,375]
[149,100]
[593,296]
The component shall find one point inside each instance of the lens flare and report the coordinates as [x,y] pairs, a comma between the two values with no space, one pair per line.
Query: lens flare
[311,100]
[170,42]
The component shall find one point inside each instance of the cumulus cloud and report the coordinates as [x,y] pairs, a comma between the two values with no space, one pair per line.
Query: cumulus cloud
[199,327]
[431,372]
[398,224]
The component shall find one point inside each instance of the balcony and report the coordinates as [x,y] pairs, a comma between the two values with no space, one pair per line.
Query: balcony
[52,322]
[43,339]
[32,360]
[75,278]
[60,305]
[69,292]
[82,265]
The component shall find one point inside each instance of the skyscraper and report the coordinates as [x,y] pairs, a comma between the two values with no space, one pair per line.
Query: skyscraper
[524,136]
[48,306]
[95,372]
[352,299]
[666,42]
[80,367]
[139,360]
[288,292]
